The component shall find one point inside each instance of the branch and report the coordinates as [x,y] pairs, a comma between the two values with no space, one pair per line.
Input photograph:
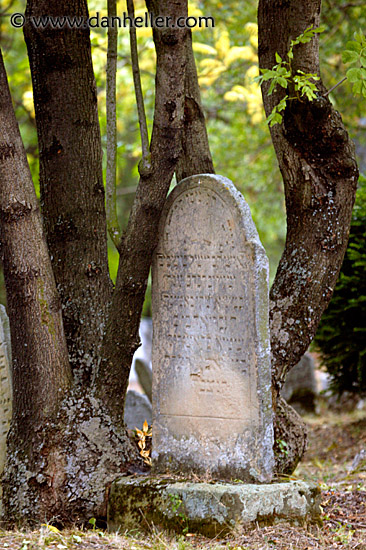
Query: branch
[335,86]
[111,174]
[145,164]
[139,241]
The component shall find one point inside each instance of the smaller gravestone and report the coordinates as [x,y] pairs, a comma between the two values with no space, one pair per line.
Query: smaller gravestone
[300,387]
[137,410]
[5,384]
[212,411]
[144,375]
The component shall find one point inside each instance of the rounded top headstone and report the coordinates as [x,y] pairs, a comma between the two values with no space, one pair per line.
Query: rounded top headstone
[211,369]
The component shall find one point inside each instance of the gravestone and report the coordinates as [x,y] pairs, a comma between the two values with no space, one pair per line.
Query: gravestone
[212,411]
[137,410]
[5,384]
[300,388]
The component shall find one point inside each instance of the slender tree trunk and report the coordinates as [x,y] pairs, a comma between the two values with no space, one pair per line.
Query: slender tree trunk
[71,182]
[140,238]
[317,162]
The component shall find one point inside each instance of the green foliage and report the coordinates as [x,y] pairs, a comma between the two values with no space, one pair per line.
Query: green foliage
[176,504]
[341,336]
[356,53]
[282,446]
[282,74]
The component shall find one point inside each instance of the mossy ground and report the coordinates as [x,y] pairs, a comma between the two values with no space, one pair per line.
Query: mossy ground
[334,441]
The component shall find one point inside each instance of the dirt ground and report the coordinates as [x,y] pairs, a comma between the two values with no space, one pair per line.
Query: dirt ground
[335,439]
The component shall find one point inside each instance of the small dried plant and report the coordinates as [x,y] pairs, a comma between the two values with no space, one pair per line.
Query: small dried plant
[144,443]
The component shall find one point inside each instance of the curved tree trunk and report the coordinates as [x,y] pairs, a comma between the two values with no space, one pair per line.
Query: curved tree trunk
[196,156]
[317,162]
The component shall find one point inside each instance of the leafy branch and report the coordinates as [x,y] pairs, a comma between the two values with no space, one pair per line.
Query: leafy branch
[356,53]
[282,74]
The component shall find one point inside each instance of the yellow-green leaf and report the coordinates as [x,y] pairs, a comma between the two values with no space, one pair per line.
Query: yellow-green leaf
[204,48]
[51,528]
[223,44]
[240,52]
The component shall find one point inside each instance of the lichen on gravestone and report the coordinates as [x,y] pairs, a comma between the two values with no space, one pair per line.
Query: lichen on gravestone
[212,410]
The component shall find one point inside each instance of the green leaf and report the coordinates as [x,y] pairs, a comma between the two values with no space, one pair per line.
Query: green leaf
[277,119]
[320,29]
[363,59]
[354,46]
[282,82]
[359,37]
[357,87]
[354,74]
[282,104]
[349,56]
[271,88]
[268,74]
[278,58]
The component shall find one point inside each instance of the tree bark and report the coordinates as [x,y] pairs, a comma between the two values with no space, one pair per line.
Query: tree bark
[140,238]
[71,181]
[196,156]
[41,370]
[317,162]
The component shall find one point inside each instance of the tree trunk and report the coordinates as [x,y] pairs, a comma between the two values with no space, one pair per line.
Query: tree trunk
[140,238]
[196,156]
[317,162]
[71,181]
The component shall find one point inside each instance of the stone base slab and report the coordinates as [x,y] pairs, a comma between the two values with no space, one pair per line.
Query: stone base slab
[208,508]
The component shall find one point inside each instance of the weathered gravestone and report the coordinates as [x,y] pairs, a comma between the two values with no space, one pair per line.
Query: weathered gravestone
[5,384]
[212,412]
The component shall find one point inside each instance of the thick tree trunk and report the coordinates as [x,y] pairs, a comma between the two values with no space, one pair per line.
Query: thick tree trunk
[41,371]
[317,162]
[140,238]
[71,182]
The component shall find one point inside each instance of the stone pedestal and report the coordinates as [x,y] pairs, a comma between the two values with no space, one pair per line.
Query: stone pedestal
[208,508]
